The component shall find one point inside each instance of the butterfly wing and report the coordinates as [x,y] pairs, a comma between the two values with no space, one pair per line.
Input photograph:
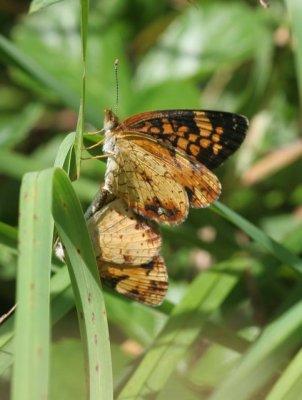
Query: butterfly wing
[119,236]
[201,185]
[126,248]
[157,181]
[210,137]
[144,183]
[147,283]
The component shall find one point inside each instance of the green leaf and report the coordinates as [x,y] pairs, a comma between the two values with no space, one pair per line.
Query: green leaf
[289,385]
[295,11]
[85,281]
[32,315]
[8,235]
[65,154]
[263,240]
[61,303]
[78,144]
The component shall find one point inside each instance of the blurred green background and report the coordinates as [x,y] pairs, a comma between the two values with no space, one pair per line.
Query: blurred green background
[225,55]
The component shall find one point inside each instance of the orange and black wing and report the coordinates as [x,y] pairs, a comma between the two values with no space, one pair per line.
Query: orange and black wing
[210,137]
[147,283]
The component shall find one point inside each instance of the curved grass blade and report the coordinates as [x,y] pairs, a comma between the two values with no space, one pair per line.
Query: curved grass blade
[65,156]
[32,324]
[187,321]
[277,250]
[289,385]
[89,301]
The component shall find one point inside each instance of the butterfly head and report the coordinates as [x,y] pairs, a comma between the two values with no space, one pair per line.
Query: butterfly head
[111,121]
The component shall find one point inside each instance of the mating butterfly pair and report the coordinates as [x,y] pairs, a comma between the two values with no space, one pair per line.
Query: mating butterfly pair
[159,164]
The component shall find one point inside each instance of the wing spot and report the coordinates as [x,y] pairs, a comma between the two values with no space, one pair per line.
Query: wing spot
[216,148]
[194,149]
[219,130]
[154,129]
[182,143]
[215,138]
[204,143]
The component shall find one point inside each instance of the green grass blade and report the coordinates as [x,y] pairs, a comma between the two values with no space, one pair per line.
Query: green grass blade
[8,235]
[6,358]
[289,385]
[260,237]
[78,144]
[185,324]
[61,303]
[37,5]
[295,11]
[30,381]
[264,359]
[29,66]
[81,262]
[65,154]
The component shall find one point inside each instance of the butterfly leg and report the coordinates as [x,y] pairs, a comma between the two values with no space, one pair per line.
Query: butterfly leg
[96,157]
[95,133]
[94,145]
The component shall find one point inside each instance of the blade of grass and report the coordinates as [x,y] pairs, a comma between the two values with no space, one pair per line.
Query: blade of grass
[187,321]
[263,240]
[10,54]
[265,357]
[37,5]
[32,316]
[15,165]
[289,385]
[8,235]
[89,301]
[65,154]
[295,11]
[61,303]
[6,358]
[78,144]
[26,64]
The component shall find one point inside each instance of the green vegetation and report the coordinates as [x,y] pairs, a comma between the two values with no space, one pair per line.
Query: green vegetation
[231,325]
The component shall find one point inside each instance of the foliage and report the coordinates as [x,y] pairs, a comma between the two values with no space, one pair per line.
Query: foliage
[230,327]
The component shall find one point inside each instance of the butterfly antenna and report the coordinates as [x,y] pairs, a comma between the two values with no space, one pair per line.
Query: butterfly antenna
[116,63]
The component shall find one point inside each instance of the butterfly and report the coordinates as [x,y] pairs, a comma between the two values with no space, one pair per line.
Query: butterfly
[159,162]
[127,249]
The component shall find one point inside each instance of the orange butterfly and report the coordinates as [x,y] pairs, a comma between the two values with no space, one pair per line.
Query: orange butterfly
[160,162]
[127,249]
